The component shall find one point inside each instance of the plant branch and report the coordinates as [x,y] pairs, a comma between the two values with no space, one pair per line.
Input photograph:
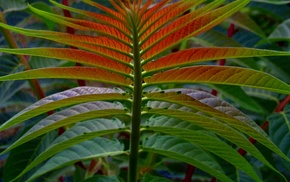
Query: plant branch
[189,172]
[282,104]
[136,108]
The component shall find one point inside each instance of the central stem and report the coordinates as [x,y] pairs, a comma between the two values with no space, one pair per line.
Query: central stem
[136,108]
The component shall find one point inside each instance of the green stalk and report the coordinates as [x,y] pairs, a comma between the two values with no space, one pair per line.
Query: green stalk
[136,108]
[12,44]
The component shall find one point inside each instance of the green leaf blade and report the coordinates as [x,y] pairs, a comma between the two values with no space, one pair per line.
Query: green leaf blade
[66,98]
[94,148]
[69,116]
[184,151]
[81,132]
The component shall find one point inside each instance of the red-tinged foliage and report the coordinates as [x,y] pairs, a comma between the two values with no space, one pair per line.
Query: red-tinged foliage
[144,8]
[99,28]
[177,24]
[103,51]
[195,27]
[148,14]
[108,21]
[77,40]
[218,75]
[85,25]
[100,18]
[118,7]
[83,73]
[109,11]
[190,56]
[78,56]
[162,17]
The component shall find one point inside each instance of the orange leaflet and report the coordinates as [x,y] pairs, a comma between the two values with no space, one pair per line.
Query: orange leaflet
[109,21]
[144,8]
[148,14]
[100,41]
[190,56]
[107,10]
[220,75]
[119,8]
[97,27]
[164,16]
[100,18]
[83,73]
[178,23]
[195,27]
[74,55]
[85,25]
[80,41]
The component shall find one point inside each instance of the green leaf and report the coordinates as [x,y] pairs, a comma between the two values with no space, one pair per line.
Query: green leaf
[244,21]
[68,116]
[208,123]
[13,5]
[98,147]
[282,32]
[9,65]
[16,161]
[238,95]
[220,75]
[81,132]
[213,38]
[45,7]
[212,144]
[279,131]
[277,2]
[222,129]
[184,151]
[66,98]
[209,104]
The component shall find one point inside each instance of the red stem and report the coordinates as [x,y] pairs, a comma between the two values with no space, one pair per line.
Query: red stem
[61,179]
[231,30]
[282,104]
[264,126]
[92,166]
[222,62]
[72,31]
[189,172]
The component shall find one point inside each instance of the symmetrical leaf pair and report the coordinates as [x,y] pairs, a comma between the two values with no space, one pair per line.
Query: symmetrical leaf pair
[127,47]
